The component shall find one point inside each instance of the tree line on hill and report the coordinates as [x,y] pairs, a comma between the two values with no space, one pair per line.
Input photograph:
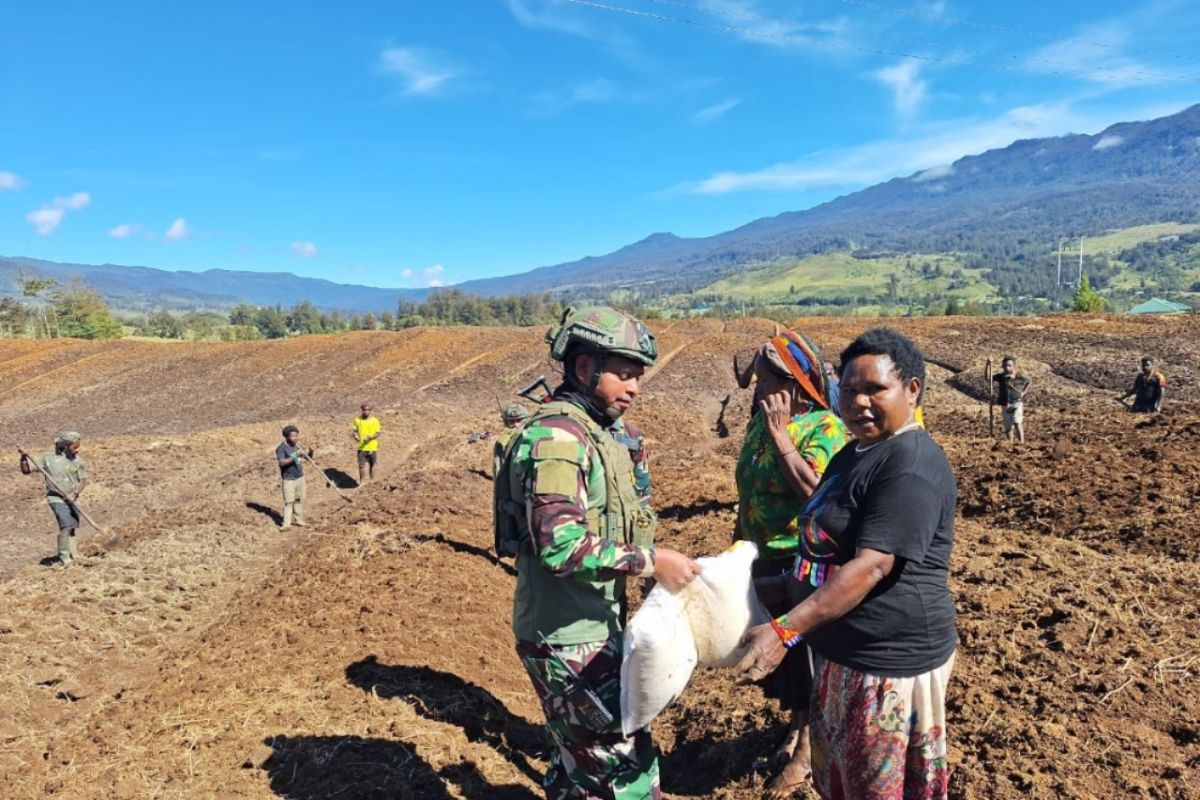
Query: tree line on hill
[47,310]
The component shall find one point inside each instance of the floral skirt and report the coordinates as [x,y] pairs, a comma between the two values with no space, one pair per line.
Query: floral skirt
[878,738]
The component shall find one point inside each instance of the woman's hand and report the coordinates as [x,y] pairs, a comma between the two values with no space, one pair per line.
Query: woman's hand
[764,652]
[777,412]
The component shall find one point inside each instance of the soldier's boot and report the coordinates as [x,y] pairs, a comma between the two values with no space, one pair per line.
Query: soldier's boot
[287,516]
[65,542]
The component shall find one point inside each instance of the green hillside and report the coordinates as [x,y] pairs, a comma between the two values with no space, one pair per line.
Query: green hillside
[1128,265]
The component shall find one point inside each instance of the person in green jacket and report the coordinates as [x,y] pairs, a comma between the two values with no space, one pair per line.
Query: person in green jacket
[67,479]
[566,503]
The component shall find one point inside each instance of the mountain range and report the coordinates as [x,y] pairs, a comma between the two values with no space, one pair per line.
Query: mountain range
[1034,190]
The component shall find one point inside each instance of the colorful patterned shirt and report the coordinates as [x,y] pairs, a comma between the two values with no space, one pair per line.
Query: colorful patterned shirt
[768,507]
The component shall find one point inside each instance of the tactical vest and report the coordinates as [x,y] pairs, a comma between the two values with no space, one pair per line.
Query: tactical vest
[569,610]
[622,518]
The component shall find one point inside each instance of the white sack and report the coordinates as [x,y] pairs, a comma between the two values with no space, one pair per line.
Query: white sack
[673,633]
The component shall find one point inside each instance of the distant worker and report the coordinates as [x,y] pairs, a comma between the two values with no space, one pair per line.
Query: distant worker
[566,505]
[289,454]
[1012,387]
[629,436]
[512,416]
[367,428]
[1147,391]
[67,480]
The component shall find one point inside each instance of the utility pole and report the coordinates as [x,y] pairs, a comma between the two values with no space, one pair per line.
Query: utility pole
[1079,282]
[1058,282]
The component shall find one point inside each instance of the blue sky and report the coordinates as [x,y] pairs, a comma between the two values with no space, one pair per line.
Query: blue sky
[421,143]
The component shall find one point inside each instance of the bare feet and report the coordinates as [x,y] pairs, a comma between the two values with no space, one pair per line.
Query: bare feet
[796,772]
[783,754]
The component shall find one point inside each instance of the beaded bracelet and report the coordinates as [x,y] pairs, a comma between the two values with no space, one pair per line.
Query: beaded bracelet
[786,633]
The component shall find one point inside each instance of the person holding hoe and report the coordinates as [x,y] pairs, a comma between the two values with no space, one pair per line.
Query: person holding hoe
[288,455]
[66,479]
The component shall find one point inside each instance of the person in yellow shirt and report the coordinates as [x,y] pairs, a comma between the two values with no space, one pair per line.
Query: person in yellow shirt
[366,435]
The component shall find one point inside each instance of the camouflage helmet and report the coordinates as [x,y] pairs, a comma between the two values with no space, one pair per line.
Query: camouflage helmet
[603,329]
[514,412]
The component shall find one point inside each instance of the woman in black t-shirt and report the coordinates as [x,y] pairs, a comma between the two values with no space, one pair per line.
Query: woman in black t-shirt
[869,589]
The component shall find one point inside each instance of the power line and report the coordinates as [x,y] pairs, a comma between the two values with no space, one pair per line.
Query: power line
[1072,69]
[1049,37]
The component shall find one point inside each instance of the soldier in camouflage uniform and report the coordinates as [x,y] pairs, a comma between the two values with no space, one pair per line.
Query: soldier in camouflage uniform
[630,437]
[566,504]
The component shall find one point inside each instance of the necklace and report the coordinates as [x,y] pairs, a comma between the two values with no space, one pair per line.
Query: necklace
[912,426]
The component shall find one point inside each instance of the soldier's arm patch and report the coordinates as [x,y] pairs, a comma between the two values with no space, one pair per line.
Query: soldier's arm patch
[556,467]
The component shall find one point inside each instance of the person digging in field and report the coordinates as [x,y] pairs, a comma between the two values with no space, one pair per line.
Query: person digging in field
[367,429]
[869,590]
[290,456]
[565,503]
[788,445]
[1148,389]
[1012,388]
[69,478]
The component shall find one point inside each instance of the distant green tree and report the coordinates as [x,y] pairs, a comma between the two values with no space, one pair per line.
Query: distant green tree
[271,322]
[164,325]
[82,314]
[14,317]
[243,314]
[39,289]
[1087,300]
[305,318]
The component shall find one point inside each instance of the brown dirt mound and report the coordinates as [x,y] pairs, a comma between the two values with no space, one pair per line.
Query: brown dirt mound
[370,656]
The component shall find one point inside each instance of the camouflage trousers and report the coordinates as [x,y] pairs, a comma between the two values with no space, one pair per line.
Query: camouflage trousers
[589,762]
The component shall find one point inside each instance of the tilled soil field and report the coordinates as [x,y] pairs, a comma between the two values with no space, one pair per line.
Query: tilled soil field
[209,654]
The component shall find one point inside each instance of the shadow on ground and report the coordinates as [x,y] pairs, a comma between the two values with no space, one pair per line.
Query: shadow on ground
[447,698]
[681,513]
[342,480]
[469,549]
[321,767]
[267,511]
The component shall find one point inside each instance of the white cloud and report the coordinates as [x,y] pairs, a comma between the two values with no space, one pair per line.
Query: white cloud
[419,71]
[930,146]
[1094,55]
[304,249]
[74,202]
[123,231]
[431,277]
[1111,140]
[47,219]
[178,231]
[714,112]
[597,91]
[934,173]
[11,181]
[909,90]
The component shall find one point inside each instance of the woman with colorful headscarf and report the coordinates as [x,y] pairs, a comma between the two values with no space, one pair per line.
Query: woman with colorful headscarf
[793,434]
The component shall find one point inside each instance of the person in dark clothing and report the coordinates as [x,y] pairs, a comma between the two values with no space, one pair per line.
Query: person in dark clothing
[1147,391]
[1011,389]
[289,455]
[869,589]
